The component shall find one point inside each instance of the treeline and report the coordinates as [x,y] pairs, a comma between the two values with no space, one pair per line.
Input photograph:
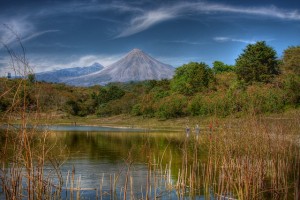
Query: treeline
[258,83]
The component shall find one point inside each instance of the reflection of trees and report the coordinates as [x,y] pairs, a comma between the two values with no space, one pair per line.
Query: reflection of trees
[116,146]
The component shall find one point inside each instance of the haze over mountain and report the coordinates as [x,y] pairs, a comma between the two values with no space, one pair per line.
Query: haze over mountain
[135,66]
[61,75]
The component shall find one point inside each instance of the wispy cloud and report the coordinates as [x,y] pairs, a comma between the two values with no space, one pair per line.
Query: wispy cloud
[232,39]
[147,19]
[37,34]
[140,18]
[180,60]
[14,27]
[26,28]
[185,42]
[228,39]
[19,27]
[45,64]
[88,7]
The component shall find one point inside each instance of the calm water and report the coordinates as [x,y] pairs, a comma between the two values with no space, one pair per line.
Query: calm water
[98,153]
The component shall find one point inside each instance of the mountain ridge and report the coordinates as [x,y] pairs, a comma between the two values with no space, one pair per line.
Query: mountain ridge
[61,75]
[135,66]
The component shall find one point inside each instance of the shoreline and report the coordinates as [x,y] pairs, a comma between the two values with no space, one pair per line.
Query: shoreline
[139,122]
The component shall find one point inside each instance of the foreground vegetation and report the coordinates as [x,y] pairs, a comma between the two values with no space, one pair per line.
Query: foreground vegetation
[245,158]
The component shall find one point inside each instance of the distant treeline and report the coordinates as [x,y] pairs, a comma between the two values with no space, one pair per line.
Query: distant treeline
[258,83]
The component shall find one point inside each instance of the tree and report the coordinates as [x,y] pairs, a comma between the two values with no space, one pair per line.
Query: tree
[192,78]
[291,60]
[72,107]
[107,94]
[31,78]
[220,67]
[257,63]
[171,107]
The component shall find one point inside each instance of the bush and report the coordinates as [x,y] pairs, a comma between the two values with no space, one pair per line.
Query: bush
[291,60]
[214,104]
[219,67]
[136,110]
[4,104]
[264,99]
[171,107]
[291,88]
[192,78]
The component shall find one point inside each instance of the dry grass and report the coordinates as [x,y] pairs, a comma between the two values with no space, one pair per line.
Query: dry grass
[254,159]
[25,152]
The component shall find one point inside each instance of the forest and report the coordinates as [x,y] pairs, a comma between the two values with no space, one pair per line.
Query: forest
[258,83]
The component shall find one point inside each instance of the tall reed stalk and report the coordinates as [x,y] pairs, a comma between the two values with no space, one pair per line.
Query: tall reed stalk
[254,160]
[25,151]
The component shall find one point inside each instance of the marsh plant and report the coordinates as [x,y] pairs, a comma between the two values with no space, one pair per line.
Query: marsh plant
[25,152]
[249,159]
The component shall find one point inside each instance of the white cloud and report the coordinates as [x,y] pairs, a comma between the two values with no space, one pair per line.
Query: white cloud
[185,42]
[20,27]
[141,19]
[179,61]
[44,64]
[37,34]
[41,64]
[147,19]
[228,39]
[88,7]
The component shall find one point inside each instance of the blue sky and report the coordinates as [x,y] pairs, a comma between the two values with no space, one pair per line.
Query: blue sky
[62,34]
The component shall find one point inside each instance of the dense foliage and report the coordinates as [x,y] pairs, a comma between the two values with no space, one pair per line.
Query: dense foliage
[257,63]
[220,67]
[291,60]
[195,90]
[192,78]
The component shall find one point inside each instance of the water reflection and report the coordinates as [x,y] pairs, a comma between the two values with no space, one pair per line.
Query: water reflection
[105,154]
[115,146]
[100,158]
[90,128]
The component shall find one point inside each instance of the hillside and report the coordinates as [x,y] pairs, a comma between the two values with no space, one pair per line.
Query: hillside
[61,75]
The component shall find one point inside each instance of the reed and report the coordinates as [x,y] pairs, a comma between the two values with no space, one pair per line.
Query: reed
[254,160]
[25,152]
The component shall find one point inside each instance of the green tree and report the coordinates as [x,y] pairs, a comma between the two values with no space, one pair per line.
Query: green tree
[220,67]
[72,107]
[291,87]
[192,78]
[115,92]
[171,107]
[291,60]
[257,63]
[105,95]
[31,78]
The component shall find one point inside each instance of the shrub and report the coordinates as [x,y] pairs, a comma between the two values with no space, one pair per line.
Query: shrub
[192,78]
[171,107]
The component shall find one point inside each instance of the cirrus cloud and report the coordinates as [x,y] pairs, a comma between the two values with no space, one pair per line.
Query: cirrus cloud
[228,39]
[150,18]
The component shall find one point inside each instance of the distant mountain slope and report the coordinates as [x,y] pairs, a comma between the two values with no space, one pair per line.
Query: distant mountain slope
[135,66]
[61,75]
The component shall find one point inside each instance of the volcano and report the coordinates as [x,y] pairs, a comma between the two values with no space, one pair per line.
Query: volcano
[135,66]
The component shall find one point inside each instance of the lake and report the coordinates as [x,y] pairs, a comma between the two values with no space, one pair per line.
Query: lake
[99,155]
[227,162]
